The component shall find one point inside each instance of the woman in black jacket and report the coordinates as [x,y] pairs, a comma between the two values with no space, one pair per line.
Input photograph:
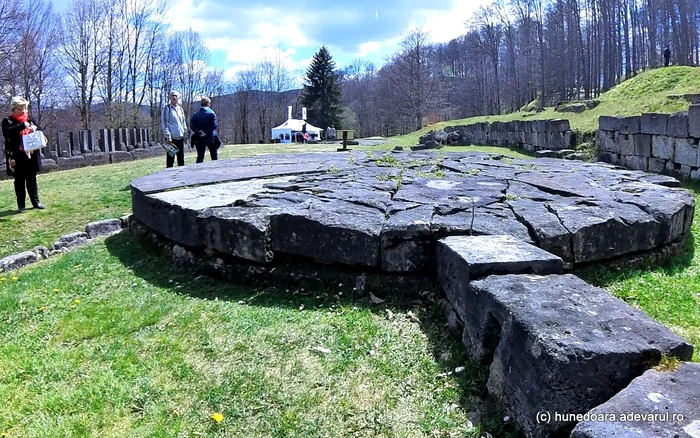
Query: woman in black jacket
[24,167]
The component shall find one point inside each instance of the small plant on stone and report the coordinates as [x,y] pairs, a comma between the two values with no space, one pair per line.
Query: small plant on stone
[351,158]
[387,160]
[333,169]
[511,197]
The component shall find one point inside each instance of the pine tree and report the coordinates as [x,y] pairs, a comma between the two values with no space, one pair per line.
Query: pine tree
[322,93]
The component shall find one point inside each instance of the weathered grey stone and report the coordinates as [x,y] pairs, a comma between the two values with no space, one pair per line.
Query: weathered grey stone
[71,162]
[663,147]
[609,123]
[16,261]
[685,171]
[575,156]
[630,125]
[406,241]
[242,232]
[70,241]
[125,220]
[637,163]
[694,121]
[353,229]
[678,124]
[654,123]
[627,144]
[695,174]
[657,165]
[686,152]
[120,156]
[642,145]
[550,234]
[49,165]
[103,228]
[655,404]
[553,339]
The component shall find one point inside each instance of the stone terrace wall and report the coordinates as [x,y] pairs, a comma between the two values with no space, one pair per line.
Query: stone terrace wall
[70,150]
[658,143]
[531,135]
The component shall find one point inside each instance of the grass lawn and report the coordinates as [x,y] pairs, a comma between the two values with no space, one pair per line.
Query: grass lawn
[646,92]
[108,340]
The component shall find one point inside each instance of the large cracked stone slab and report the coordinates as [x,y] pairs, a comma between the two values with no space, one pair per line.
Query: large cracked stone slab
[397,206]
[557,344]
[656,404]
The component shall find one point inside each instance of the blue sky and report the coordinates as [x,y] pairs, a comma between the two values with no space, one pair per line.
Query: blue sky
[241,33]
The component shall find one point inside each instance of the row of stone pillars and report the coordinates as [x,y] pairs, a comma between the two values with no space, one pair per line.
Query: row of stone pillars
[104,140]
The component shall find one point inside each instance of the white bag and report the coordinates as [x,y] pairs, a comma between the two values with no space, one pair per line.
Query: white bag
[33,141]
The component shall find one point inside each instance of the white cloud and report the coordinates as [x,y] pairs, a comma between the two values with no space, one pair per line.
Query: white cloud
[445,25]
[367,48]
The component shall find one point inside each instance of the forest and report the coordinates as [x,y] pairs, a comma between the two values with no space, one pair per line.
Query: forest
[110,64]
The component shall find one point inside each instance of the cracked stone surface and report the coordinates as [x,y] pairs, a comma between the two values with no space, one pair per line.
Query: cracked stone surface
[387,210]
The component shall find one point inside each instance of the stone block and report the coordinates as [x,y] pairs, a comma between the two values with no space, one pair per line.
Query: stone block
[686,152]
[569,141]
[663,147]
[103,228]
[461,259]
[655,404]
[657,165]
[630,125]
[557,125]
[637,163]
[642,145]
[556,140]
[559,345]
[49,165]
[120,157]
[70,241]
[694,121]
[653,123]
[16,261]
[626,144]
[609,123]
[65,163]
[685,171]
[242,232]
[695,174]
[678,124]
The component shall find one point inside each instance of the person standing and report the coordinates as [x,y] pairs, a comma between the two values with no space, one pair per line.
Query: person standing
[204,124]
[24,167]
[667,55]
[174,128]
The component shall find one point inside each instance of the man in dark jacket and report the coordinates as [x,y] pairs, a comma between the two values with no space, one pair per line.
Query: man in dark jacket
[203,125]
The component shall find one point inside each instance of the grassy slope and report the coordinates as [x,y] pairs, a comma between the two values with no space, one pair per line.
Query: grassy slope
[646,92]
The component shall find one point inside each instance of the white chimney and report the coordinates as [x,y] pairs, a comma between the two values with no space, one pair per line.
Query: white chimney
[289,112]
[303,113]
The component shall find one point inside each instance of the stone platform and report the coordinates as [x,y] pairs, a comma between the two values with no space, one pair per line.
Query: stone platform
[352,209]
[495,233]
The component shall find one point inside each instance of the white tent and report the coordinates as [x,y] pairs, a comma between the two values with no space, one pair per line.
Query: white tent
[288,130]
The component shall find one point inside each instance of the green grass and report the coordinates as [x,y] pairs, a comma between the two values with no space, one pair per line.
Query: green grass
[646,92]
[110,341]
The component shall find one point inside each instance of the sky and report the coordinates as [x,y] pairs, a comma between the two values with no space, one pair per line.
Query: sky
[240,33]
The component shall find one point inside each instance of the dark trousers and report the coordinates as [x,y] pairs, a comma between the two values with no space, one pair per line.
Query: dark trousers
[25,177]
[180,145]
[202,148]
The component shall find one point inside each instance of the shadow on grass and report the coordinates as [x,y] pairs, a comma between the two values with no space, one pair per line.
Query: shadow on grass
[8,213]
[447,351]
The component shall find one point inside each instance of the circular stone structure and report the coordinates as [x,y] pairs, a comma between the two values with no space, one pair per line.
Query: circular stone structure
[387,210]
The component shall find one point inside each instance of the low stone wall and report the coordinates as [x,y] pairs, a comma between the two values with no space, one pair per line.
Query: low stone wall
[658,143]
[70,150]
[531,135]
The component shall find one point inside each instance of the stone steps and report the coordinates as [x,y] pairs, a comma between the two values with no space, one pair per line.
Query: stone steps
[553,343]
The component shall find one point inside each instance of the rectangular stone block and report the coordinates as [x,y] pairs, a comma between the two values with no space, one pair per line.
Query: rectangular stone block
[694,121]
[678,125]
[559,345]
[609,123]
[662,147]
[686,152]
[557,125]
[461,259]
[637,163]
[656,165]
[653,123]
[120,156]
[626,144]
[542,140]
[642,145]
[685,171]
[556,140]
[630,125]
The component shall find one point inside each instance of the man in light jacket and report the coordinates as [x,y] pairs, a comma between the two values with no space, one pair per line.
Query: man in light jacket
[174,127]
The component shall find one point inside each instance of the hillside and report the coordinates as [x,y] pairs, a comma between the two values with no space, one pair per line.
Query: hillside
[646,92]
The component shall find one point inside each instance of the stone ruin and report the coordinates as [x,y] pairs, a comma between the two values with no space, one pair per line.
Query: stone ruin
[496,234]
